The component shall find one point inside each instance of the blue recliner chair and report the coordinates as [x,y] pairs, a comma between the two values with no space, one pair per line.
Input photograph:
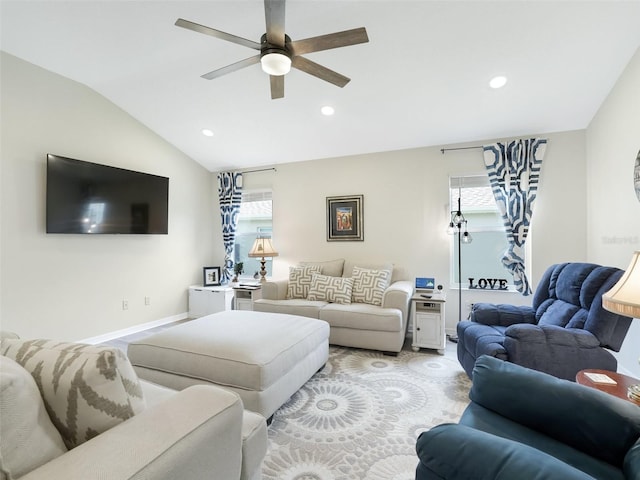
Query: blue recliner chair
[565,331]
[527,425]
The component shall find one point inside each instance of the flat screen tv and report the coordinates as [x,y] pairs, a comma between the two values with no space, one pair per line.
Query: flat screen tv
[89,198]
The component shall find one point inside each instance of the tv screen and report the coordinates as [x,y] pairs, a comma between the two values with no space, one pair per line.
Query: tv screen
[84,197]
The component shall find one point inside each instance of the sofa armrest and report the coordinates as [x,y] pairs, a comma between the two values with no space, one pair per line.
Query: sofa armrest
[453,451]
[398,295]
[596,423]
[194,434]
[275,289]
[501,315]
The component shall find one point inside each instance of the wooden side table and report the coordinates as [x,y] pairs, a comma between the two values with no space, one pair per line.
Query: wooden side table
[623,382]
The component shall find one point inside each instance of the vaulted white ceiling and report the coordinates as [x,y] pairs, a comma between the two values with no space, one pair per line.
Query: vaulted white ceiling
[422,79]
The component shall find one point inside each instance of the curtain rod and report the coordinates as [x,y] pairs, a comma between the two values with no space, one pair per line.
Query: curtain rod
[442,150]
[258,170]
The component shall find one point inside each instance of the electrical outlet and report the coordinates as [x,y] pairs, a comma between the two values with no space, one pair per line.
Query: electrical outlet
[147,300]
[125,304]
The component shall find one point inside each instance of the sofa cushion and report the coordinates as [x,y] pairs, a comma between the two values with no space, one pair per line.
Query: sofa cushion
[360,316]
[29,439]
[303,308]
[300,280]
[369,285]
[86,389]
[330,289]
[350,265]
[333,268]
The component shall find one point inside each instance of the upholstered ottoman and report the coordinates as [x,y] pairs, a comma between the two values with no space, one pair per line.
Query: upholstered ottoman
[264,357]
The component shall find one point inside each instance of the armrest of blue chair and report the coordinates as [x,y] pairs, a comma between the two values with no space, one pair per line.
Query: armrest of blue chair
[502,314]
[631,465]
[552,335]
[562,352]
[453,451]
[593,422]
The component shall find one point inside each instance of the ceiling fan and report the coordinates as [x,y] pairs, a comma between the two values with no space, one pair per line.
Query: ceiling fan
[278,53]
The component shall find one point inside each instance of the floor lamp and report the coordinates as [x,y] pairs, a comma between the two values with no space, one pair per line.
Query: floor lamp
[458,226]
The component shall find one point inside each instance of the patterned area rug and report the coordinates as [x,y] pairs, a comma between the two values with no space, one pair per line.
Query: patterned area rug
[360,417]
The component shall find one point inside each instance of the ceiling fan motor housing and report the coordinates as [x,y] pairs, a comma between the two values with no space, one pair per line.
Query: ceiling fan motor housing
[275,60]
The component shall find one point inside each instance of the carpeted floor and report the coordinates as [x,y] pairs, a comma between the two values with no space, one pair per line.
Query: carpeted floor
[360,416]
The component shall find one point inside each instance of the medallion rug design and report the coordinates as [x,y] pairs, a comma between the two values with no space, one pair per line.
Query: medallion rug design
[360,416]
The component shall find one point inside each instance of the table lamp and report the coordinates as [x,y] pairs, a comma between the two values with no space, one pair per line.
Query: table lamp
[624,299]
[262,248]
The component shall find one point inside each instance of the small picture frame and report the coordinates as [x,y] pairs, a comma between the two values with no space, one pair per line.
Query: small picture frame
[211,276]
[344,218]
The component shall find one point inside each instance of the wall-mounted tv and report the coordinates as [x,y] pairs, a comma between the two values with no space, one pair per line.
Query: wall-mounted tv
[89,198]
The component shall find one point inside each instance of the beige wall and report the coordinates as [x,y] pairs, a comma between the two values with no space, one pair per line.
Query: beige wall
[72,286]
[613,141]
[406,211]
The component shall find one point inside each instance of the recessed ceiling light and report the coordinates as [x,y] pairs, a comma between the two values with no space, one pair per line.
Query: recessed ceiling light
[498,82]
[207,133]
[327,110]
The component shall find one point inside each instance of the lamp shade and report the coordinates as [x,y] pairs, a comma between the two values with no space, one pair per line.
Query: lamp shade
[262,247]
[624,297]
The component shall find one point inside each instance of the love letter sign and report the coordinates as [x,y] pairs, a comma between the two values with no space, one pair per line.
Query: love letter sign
[488,284]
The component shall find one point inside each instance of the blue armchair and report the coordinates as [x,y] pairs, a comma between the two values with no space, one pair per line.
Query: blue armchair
[565,331]
[524,424]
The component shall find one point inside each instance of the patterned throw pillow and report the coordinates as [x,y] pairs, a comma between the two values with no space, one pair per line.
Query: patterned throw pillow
[28,438]
[369,285]
[86,389]
[299,280]
[330,289]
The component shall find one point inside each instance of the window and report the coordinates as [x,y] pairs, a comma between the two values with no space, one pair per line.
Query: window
[482,258]
[255,220]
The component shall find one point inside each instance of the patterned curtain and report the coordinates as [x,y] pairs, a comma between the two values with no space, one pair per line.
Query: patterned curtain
[230,194]
[514,171]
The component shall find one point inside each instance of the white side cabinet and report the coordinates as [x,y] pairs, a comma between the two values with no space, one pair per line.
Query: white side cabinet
[428,324]
[245,296]
[207,300]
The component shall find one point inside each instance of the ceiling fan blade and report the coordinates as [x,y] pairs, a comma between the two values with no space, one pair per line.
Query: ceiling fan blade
[274,16]
[232,68]
[217,33]
[329,41]
[277,86]
[317,70]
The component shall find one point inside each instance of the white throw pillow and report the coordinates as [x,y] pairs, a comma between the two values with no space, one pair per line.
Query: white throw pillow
[87,389]
[300,280]
[369,285]
[330,289]
[28,438]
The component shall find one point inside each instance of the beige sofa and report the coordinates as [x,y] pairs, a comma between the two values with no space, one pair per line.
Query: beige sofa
[360,323]
[202,432]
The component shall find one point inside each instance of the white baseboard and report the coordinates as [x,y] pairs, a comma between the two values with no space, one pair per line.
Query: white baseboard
[135,329]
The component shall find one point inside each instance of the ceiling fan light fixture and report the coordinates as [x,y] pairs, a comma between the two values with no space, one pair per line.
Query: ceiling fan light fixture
[275,63]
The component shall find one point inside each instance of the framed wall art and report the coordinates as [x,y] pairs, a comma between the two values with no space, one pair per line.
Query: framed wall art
[344,218]
[211,276]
